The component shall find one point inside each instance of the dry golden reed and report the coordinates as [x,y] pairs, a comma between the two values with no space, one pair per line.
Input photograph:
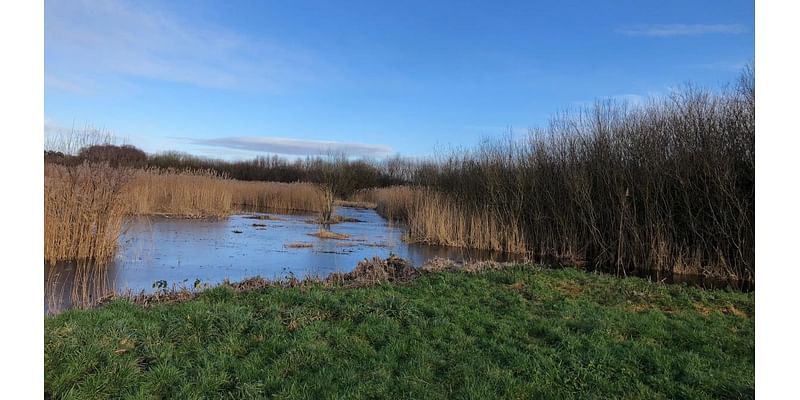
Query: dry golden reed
[392,202]
[434,219]
[84,210]
[293,197]
[196,194]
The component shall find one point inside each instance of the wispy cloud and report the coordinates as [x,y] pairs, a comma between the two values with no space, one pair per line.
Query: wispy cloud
[683,29]
[287,146]
[94,40]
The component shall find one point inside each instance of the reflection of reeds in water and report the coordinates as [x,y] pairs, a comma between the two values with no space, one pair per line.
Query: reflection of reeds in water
[78,284]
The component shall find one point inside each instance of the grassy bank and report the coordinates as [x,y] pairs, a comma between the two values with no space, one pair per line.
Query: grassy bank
[523,332]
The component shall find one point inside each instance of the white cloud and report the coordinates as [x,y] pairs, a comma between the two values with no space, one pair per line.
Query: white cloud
[289,146]
[96,40]
[683,29]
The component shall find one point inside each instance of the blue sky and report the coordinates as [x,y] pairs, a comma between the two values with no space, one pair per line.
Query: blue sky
[370,78]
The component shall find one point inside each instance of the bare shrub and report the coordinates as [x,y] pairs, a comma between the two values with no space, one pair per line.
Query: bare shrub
[668,185]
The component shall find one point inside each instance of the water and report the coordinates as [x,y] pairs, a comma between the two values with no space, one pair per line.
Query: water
[168,253]
[176,253]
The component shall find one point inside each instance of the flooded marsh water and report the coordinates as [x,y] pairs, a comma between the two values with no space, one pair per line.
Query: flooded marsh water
[173,253]
[158,252]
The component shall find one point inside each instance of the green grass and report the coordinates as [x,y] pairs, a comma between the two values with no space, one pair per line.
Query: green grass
[521,333]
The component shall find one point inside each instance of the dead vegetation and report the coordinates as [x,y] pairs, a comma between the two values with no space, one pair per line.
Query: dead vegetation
[356,204]
[84,210]
[264,217]
[334,219]
[326,234]
[298,245]
[393,203]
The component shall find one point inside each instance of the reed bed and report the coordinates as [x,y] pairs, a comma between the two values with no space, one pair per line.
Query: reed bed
[292,197]
[184,194]
[432,218]
[392,203]
[84,209]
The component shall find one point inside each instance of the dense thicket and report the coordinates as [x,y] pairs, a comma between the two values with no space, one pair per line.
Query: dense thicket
[668,185]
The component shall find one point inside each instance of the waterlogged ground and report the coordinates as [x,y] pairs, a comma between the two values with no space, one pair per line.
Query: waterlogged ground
[162,252]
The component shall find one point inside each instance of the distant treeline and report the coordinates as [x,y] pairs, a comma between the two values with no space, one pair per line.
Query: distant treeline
[351,175]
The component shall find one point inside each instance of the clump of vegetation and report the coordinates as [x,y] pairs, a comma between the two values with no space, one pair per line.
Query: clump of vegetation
[264,217]
[286,197]
[438,220]
[327,234]
[334,219]
[84,210]
[356,204]
[392,203]
[520,332]
[298,245]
